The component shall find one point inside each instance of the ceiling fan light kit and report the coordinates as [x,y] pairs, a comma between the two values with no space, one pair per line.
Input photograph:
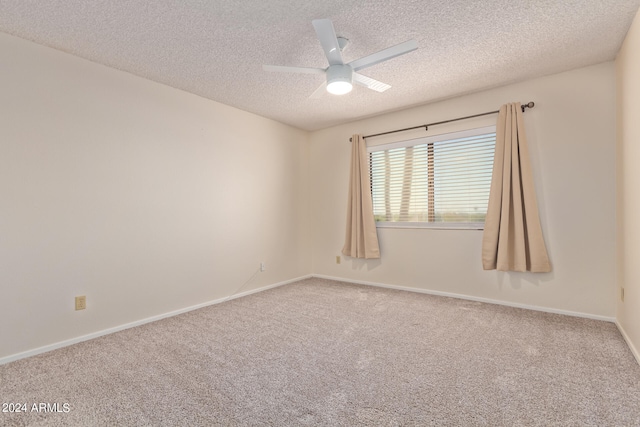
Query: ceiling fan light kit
[339,79]
[340,76]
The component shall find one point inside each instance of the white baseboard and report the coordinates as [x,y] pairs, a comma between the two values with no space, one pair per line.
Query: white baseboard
[634,350]
[103,332]
[470,298]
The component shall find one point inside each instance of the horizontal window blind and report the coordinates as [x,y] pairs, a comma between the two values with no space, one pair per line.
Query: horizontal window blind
[440,179]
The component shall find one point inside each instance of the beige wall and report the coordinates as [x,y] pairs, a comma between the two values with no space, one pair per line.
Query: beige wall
[628,193]
[571,134]
[144,198]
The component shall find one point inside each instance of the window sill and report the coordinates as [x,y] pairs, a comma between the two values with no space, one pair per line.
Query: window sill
[432,225]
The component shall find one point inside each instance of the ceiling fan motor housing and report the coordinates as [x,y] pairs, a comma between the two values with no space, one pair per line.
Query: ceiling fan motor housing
[339,79]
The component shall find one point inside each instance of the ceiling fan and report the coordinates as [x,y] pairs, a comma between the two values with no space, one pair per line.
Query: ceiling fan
[340,76]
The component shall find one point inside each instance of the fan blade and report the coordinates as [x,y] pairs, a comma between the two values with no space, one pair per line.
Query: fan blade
[370,83]
[285,69]
[320,92]
[383,55]
[328,40]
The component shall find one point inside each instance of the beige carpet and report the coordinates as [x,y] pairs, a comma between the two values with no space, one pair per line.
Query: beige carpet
[318,352]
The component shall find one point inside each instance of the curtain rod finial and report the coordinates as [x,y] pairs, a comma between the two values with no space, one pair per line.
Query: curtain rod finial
[529,104]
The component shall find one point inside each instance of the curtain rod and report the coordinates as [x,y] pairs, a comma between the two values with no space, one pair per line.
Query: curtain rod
[426,127]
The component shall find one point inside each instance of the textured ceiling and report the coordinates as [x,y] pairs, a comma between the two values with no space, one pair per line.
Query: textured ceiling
[215,48]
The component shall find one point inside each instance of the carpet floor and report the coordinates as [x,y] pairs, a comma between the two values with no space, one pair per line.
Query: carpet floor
[324,353]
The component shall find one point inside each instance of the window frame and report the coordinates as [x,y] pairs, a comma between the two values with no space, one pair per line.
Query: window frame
[432,139]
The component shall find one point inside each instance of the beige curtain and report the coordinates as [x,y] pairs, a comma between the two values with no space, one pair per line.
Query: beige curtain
[361,239]
[512,239]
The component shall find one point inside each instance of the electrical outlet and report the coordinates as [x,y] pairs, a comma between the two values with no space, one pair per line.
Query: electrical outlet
[81,302]
[338,259]
[263,266]
[622,294]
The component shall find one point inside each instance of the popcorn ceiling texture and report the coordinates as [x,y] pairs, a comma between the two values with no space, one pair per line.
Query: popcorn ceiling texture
[216,48]
[324,353]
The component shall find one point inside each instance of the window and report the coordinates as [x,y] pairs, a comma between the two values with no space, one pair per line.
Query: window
[440,181]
